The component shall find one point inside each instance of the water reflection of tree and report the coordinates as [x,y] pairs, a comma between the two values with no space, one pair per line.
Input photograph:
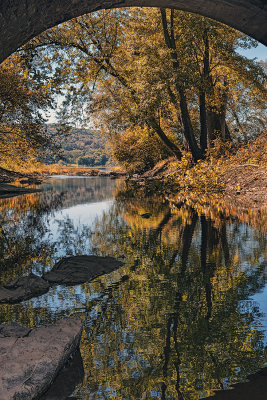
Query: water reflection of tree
[24,225]
[182,325]
[177,323]
[23,233]
[27,243]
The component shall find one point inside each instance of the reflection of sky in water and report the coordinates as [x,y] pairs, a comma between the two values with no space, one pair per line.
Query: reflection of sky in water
[126,320]
[261,299]
[74,298]
[80,215]
[53,177]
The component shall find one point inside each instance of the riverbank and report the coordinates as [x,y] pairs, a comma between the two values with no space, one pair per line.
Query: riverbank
[229,184]
[244,184]
[237,181]
[235,176]
[37,173]
[36,176]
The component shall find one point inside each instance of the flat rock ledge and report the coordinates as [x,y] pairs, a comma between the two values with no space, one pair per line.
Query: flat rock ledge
[23,288]
[80,269]
[30,360]
[68,271]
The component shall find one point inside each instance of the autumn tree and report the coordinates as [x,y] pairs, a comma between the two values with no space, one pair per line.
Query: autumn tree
[23,135]
[167,70]
[205,61]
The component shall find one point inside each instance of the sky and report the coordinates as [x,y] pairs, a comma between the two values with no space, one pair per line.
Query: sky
[260,52]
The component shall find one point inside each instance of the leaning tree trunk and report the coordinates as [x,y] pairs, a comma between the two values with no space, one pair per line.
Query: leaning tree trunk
[188,129]
[203,122]
[202,94]
[187,124]
[159,131]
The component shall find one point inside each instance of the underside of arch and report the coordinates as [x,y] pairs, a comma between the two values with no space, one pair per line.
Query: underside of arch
[21,20]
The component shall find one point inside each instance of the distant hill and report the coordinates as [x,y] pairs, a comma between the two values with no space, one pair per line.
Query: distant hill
[83,147]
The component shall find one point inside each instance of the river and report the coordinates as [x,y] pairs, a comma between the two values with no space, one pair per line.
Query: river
[186,314]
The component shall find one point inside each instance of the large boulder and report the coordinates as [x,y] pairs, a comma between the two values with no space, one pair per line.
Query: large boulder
[79,269]
[30,361]
[23,288]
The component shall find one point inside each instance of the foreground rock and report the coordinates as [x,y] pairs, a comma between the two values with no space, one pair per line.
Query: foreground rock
[80,269]
[30,361]
[23,288]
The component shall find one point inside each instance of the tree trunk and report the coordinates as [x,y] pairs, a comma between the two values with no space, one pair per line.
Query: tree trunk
[188,129]
[202,94]
[216,125]
[228,136]
[216,118]
[203,122]
[213,126]
[158,130]
[171,45]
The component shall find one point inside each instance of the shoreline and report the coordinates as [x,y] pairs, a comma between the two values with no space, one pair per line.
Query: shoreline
[242,187]
[8,179]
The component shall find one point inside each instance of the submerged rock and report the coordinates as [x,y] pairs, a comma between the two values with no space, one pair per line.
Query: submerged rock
[23,288]
[68,271]
[79,269]
[29,364]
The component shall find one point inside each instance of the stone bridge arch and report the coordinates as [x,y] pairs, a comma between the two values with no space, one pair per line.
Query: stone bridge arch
[21,20]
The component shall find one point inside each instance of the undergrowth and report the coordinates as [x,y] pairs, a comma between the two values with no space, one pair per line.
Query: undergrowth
[208,175]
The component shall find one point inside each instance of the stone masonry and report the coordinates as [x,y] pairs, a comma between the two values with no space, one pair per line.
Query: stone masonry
[21,20]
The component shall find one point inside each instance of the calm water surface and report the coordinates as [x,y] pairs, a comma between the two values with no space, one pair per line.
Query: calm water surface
[184,316]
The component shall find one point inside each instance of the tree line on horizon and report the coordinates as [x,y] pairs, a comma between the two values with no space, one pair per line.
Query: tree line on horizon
[83,147]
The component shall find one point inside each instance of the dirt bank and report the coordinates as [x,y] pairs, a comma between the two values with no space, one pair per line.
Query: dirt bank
[246,184]
[241,185]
